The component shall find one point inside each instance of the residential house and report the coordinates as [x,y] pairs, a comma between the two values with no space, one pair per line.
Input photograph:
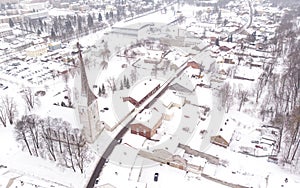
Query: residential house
[146,123]
[223,138]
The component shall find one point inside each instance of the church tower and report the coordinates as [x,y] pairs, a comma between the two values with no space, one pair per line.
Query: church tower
[87,105]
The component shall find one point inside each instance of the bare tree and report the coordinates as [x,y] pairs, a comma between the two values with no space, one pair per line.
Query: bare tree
[259,88]
[68,153]
[265,105]
[29,98]
[32,123]
[226,94]
[80,149]
[242,94]
[3,117]
[112,84]
[58,129]
[294,132]
[105,55]
[22,133]
[10,108]
[48,136]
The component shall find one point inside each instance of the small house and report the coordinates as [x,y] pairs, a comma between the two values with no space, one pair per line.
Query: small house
[223,138]
[146,123]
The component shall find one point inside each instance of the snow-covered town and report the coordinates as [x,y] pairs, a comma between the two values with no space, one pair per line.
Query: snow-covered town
[149,93]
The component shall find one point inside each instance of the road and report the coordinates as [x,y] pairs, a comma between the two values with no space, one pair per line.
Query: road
[127,121]
[246,25]
[106,154]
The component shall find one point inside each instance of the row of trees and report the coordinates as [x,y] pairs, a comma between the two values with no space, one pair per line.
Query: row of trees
[53,139]
[62,27]
[284,87]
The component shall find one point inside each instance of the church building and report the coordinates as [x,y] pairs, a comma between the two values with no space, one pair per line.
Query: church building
[87,106]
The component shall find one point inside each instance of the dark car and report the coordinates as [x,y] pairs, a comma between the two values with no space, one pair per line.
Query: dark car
[97,181]
[156,176]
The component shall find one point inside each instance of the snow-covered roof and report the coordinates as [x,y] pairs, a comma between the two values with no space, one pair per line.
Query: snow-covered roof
[148,117]
[247,72]
[169,98]
[227,129]
[181,88]
[141,89]
[177,58]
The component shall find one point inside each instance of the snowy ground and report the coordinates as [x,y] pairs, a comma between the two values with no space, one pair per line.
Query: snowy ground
[143,176]
[126,168]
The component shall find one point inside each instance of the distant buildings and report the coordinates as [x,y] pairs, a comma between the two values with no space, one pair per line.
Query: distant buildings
[136,30]
[5,30]
[36,51]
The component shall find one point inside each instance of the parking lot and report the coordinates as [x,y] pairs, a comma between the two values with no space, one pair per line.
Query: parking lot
[30,73]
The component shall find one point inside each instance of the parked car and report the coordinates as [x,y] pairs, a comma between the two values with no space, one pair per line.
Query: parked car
[255,141]
[156,176]
[120,140]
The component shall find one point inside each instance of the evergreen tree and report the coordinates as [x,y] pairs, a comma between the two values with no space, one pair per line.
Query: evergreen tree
[11,23]
[118,15]
[99,91]
[69,27]
[124,81]
[111,14]
[106,16]
[79,20]
[41,24]
[52,33]
[114,88]
[39,32]
[127,83]
[219,15]
[103,90]
[90,21]
[121,86]
[99,17]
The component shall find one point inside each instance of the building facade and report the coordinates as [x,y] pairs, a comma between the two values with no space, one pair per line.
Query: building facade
[88,106]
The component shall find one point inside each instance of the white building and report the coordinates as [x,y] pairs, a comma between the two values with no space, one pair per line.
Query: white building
[37,50]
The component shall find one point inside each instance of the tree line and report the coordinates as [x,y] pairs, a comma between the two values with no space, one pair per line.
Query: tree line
[54,139]
[276,93]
